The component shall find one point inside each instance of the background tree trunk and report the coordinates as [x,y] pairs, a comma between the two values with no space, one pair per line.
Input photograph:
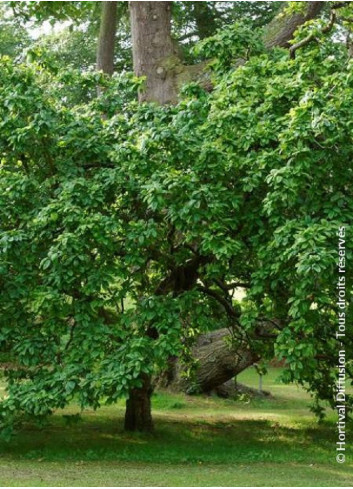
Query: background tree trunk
[106,40]
[153,50]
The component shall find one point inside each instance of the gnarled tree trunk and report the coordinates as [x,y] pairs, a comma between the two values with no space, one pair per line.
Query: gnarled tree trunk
[218,359]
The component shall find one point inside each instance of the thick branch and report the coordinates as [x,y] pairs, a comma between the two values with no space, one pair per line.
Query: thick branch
[217,359]
[278,33]
[281,30]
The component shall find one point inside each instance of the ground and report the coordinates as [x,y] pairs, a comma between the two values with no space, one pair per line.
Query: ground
[198,441]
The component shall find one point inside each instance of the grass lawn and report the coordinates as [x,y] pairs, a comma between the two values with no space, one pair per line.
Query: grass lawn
[198,441]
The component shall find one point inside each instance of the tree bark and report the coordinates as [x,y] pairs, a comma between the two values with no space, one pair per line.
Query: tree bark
[153,50]
[106,40]
[218,360]
[138,416]
[280,31]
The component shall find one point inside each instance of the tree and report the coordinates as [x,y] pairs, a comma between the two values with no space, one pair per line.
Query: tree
[123,239]
[155,58]
[106,40]
[153,53]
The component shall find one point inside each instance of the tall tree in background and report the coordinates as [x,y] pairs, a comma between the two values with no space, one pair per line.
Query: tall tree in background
[106,39]
[153,50]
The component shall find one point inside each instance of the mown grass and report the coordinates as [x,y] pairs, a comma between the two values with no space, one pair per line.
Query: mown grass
[197,441]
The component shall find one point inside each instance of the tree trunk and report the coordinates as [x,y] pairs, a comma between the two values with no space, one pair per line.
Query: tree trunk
[153,57]
[138,415]
[106,40]
[218,360]
[153,50]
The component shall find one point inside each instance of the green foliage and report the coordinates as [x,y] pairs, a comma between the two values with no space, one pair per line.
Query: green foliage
[231,46]
[13,36]
[286,127]
[54,11]
[194,21]
[71,48]
[113,215]
[75,46]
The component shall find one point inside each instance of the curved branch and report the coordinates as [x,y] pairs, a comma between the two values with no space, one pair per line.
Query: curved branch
[187,36]
[223,301]
[311,37]
[233,285]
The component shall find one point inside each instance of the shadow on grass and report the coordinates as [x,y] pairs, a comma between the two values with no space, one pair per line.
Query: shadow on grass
[99,437]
